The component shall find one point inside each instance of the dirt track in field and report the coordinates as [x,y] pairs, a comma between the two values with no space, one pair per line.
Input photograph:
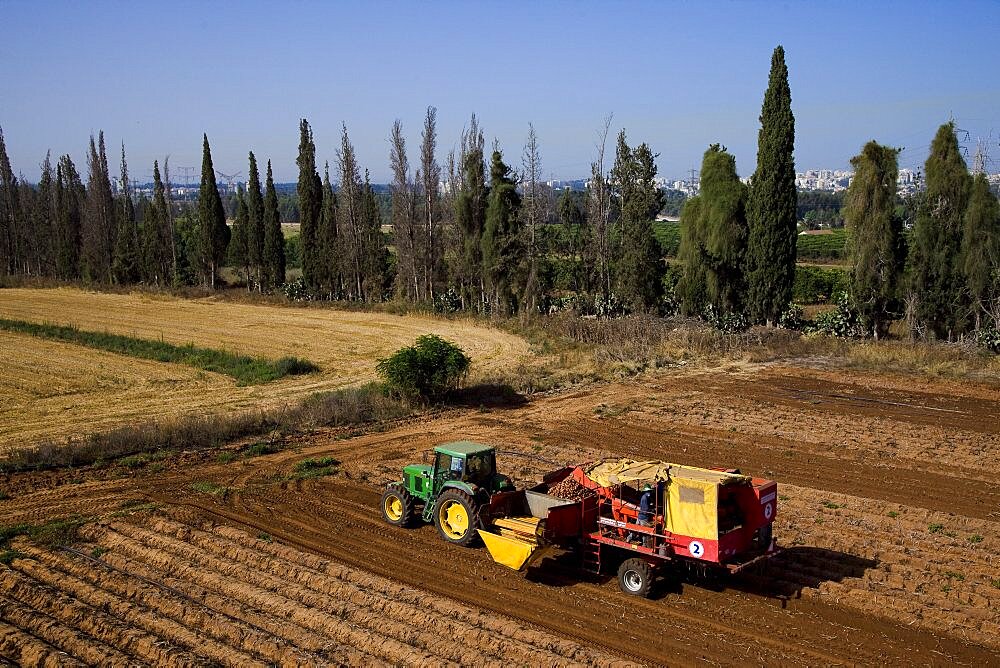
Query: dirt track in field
[888,513]
[49,390]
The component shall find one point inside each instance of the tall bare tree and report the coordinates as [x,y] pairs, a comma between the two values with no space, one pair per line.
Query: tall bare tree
[599,213]
[349,213]
[404,218]
[533,207]
[429,177]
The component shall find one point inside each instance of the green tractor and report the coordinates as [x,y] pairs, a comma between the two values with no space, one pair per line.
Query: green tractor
[454,492]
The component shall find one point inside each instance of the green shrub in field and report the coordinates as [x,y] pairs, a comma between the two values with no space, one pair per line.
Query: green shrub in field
[426,370]
[315,468]
[988,337]
[844,321]
[816,285]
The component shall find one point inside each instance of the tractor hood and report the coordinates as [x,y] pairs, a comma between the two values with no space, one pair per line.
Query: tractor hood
[417,469]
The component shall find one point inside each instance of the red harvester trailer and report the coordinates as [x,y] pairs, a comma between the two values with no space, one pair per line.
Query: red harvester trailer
[637,517]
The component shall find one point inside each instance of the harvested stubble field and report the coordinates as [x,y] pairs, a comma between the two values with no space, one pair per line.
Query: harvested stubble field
[51,390]
[888,512]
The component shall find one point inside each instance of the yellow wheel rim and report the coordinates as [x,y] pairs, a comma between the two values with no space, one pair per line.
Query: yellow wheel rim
[393,508]
[454,519]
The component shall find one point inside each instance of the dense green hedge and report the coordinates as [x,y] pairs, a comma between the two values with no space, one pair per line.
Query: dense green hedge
[817,285]
[669,236]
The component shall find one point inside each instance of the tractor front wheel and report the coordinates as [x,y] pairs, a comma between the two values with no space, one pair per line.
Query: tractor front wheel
[456,517]
[635,577]
[397,505]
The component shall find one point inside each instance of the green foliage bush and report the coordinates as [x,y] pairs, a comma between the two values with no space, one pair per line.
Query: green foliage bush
[844,321]
[426,370]
[988,337]
[816,285]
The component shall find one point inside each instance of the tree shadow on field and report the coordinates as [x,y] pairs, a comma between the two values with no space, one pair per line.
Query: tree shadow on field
[486,395]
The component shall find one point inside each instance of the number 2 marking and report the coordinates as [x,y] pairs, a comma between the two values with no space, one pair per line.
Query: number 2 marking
[696,549]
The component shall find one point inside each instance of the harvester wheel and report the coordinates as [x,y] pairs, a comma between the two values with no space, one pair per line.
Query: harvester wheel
[635,577]
[397,505]
[456,517]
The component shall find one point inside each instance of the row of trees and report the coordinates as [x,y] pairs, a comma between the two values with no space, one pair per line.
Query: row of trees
[947,282]
[475,234]
[64,229]
[738,242]
[478,234]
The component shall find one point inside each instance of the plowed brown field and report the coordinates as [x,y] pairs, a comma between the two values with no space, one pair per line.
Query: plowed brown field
[51,389]
[887,510]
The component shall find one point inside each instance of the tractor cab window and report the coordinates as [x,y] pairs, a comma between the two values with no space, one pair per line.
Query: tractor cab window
[448,467]
[480,468]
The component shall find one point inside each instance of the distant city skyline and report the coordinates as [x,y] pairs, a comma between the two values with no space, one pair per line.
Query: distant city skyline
[677,76]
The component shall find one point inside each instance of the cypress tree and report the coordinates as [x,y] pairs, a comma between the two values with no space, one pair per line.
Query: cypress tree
[157,244]
[350,219]
[44,222]
[213,233]
[429,176]
[375,261]
[875,234]
[98,228]
[639,268]
[501,243]
[125,262]
[310,201]
[330,263]
[981,251]
[936,280]
[470,214]
[69,219]
[10,213]
[274,240]
[255,226]
[692,288]
[771,207]
[239,255]
[405,230]
[714,235]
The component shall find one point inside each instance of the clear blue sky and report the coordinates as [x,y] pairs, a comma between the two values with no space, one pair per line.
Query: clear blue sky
[678,76]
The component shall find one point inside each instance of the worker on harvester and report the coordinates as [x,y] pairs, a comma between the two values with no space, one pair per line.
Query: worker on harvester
[646,506]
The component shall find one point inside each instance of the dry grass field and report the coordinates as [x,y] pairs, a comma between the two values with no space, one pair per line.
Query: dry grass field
[53,389]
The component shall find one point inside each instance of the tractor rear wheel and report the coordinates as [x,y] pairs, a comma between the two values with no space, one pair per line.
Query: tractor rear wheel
[635,577]
[456,517]
[397,505]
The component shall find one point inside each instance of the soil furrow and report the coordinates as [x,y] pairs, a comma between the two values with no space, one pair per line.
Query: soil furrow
[27,650]
[363,593]
[315,589]
[147,643]
[160,602]
[28,617]
[457,572]
[238,581]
